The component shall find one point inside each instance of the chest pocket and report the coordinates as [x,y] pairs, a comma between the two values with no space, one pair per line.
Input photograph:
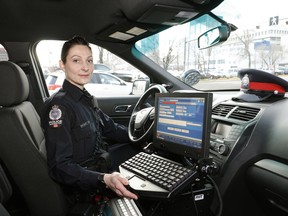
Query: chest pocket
[84,140]
[85,130]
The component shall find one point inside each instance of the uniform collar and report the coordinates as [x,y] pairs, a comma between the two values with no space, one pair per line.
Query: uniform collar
[74,91]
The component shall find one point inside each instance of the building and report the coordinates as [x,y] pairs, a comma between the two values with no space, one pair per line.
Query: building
[263,47]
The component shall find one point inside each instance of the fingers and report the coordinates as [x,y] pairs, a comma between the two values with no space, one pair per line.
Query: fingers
[127,193]
[118,184]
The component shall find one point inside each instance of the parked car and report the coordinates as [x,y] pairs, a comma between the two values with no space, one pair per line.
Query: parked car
[107,84]
[126,76]
[102,83]
[227,73]
[101,67]
[245,165]
[216,74]
[54,81]
[233,72]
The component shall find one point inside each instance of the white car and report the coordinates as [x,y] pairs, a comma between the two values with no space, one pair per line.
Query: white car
[102,84]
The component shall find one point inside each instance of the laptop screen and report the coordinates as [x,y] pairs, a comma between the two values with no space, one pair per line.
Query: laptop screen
[182,123]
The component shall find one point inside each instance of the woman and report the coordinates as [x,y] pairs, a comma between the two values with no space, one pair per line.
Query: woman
[74,126]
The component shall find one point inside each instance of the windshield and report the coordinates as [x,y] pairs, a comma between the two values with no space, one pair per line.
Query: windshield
[259,41]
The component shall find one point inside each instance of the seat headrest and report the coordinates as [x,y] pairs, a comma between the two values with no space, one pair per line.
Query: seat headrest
[14,86]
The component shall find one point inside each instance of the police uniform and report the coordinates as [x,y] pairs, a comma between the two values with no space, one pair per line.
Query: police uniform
[257,86]
[73,125]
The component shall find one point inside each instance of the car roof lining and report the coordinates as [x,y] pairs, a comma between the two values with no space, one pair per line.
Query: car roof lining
[44,18]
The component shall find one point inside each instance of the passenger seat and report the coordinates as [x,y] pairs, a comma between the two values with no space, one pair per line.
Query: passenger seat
[22,145]
[5,192]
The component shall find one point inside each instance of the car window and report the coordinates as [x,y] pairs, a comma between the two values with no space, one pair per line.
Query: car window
[101,67]
[259,41]
[95,78]
[107,79]
[50,79]
[117,70]
[3,54]
[54,80]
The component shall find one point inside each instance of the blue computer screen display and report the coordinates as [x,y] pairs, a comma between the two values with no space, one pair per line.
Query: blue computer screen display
[182,123]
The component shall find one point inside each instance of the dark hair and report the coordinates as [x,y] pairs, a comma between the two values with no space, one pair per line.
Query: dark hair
[76,40]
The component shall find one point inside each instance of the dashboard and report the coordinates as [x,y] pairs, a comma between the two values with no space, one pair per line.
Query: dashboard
[232,122]
[248,143]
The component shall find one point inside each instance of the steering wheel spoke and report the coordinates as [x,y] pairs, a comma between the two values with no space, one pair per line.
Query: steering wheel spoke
[142,118]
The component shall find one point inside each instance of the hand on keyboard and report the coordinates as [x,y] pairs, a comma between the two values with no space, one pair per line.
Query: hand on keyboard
[155,176]
[116,182]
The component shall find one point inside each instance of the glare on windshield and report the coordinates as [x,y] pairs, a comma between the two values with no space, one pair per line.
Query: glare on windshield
[260,42]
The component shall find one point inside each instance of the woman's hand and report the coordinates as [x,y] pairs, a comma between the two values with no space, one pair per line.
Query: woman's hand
[117,183]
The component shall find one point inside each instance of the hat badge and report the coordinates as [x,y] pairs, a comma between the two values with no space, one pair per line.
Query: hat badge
[245,82]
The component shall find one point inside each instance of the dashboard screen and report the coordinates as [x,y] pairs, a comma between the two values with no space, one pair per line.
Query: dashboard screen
[223,130]
[182,123]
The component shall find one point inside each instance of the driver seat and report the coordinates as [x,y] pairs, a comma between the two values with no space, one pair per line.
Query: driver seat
[22,145]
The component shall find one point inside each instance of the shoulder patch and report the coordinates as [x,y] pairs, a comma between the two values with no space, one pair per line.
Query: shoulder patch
[56,116]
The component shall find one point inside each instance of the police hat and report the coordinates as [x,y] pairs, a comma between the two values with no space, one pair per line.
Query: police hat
[257,85]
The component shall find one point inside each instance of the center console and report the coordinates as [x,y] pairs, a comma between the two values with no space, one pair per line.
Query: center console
[223,136]
[231,126]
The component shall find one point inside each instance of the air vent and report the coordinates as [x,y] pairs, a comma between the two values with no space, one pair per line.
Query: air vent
[244,113]
[222,110]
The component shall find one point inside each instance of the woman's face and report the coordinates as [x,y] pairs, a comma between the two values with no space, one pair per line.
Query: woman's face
[79,65]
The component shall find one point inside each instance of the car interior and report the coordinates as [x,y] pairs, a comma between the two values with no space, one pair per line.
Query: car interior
[238,164]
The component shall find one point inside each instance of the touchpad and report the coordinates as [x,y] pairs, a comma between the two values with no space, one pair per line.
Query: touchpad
[137,183]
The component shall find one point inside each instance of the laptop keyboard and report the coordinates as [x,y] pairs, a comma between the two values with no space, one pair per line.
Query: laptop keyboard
[155,176]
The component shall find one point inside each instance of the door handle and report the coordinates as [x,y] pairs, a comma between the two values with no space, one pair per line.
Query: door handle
[123,108]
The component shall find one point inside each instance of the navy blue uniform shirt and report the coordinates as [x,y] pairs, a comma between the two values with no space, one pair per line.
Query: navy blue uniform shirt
[70,123]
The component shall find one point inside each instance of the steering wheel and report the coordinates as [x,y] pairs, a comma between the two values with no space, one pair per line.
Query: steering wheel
[142,118]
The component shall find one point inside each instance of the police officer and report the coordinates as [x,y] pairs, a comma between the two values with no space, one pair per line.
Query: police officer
[74,125]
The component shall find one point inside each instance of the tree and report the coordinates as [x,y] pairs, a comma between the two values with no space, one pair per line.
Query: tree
[246,39]
[101,54]
[168,58]
[270,54]
[209,52]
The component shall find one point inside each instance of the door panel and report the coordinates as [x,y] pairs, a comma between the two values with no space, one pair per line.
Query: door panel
[118,108]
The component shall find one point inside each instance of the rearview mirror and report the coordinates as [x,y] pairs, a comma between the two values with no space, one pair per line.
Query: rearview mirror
[214,36]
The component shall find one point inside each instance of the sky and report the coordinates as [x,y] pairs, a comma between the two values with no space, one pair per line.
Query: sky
[252,12]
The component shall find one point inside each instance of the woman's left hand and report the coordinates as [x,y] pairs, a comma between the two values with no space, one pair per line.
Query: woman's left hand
[116,182]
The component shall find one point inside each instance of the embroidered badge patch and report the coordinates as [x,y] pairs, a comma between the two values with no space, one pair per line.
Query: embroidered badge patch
[55,116]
